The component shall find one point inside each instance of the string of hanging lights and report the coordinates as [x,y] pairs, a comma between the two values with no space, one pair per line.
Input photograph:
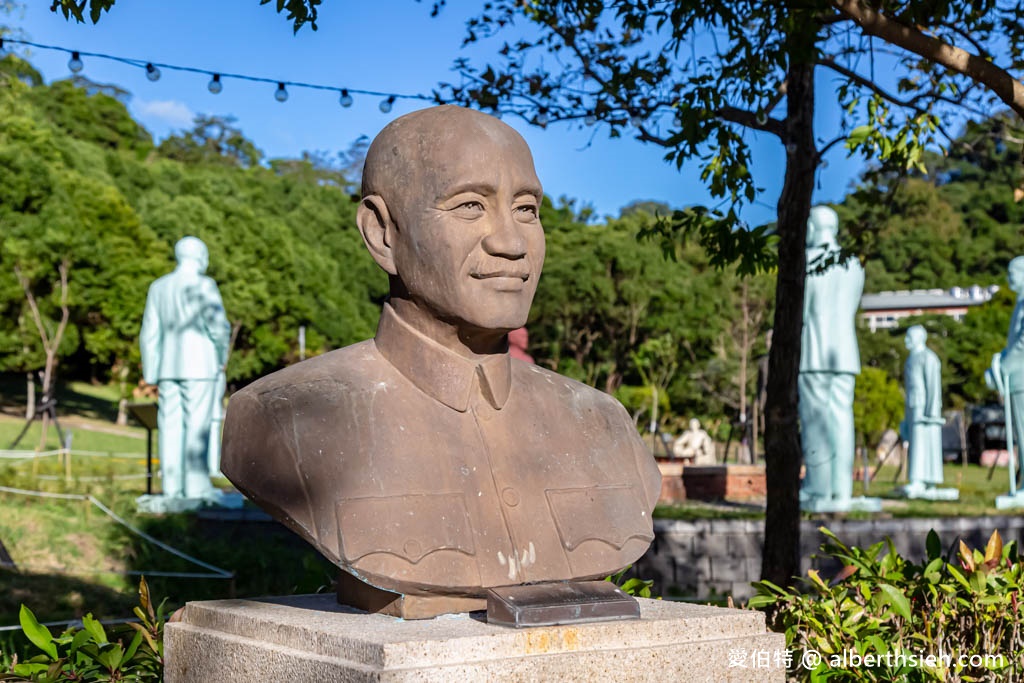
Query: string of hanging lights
[217,78]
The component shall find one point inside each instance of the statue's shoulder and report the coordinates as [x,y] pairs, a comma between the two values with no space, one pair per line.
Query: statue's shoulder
[161,282]
[353,366]
[538,381]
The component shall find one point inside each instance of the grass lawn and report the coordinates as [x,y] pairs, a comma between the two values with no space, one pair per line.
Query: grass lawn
[977,498]
[73,559]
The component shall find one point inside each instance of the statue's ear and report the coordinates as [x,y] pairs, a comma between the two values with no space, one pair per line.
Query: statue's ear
[377,229]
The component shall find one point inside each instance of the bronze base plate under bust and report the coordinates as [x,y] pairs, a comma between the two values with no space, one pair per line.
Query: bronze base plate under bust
[569,602]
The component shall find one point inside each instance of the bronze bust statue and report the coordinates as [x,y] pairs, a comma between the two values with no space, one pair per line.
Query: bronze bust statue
[427,462]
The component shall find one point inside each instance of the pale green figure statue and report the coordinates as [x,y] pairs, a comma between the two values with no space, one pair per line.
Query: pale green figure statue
[1007,376]
[829,365]
[184,344]
[922,420]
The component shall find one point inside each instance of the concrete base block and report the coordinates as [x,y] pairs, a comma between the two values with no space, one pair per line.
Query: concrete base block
[929,493]
[312,638]
[855,504]
[1009,502]
[159,504]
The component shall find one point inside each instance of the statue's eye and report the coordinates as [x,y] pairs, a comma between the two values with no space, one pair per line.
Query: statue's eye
[471,208]
[526,212]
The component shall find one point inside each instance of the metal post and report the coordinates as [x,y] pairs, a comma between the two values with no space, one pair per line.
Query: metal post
[1008,415]
[149,461]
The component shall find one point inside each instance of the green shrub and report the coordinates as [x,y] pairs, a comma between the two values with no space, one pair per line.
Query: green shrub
[89,654]
[965,604]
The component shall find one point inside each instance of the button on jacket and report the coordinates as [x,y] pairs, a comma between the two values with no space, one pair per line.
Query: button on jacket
[420,471]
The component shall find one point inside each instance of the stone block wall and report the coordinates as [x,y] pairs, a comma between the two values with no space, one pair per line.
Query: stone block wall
[708,558]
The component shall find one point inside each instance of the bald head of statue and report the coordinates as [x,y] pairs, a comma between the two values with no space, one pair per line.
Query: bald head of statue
[451,211]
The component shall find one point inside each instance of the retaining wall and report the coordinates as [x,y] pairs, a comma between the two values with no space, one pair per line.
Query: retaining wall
[705,558]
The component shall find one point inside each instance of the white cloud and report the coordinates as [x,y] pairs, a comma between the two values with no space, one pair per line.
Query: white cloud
[169,112]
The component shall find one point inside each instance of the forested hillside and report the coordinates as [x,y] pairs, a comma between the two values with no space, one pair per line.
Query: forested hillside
[82,182]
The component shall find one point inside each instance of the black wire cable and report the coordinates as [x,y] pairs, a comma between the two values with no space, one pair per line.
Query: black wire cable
[220,75]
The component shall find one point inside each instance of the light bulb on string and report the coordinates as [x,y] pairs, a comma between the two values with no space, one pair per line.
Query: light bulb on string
[345,100]
[386,105]
[281,95]
[75,63]
[636,120]
[215,86]
[152,73]
[542,118]
[589,120]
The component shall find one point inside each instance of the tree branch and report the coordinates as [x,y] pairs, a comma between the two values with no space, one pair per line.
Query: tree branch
[998,80]
[36,317]
[750,120]
[65,313]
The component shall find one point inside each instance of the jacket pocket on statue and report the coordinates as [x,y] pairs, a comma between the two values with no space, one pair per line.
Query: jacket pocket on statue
[610,514]
[409,527]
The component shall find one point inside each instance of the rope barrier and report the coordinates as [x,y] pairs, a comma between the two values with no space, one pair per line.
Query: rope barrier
[221,573]
[117,572]
[74,623]
[113,477]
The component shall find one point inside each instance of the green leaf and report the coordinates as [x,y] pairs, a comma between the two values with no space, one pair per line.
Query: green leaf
[897,599]
[858,136]
[133,646]
[933,545]
[94,628]
[38,634]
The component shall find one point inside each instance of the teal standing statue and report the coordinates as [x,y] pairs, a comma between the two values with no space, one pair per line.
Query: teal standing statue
[1007,375]
[184,345]
[922,421]
[829,365]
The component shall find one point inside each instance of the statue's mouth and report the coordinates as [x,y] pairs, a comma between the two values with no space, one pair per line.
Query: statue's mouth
[511,274]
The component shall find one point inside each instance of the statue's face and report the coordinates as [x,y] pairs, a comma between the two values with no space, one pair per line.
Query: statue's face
[915,338]
[469,246]
[1015,278]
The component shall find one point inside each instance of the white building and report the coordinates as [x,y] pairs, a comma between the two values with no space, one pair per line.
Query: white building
[883,310]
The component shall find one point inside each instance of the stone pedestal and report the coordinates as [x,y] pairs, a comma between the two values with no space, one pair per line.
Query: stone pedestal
[312,638]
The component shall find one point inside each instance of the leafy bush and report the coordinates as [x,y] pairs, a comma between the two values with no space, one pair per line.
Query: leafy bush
[965,603]
[637,587]
[89,654]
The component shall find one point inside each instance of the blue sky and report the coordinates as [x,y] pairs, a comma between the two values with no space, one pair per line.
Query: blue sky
[388,46]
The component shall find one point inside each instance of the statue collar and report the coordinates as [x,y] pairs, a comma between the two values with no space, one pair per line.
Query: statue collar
[438,372]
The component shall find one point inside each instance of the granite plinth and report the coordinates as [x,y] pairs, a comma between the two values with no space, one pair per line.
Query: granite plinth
[312,638]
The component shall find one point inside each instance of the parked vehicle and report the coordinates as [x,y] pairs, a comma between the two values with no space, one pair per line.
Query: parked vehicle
[986,430]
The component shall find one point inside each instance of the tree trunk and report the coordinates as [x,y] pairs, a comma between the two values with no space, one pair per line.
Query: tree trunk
[781,557]
[51,360]
[122,405]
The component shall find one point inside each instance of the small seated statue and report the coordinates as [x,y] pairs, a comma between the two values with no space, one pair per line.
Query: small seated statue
[695,445]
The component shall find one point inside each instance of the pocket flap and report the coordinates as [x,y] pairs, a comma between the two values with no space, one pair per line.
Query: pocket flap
[611,514]
[409,527]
